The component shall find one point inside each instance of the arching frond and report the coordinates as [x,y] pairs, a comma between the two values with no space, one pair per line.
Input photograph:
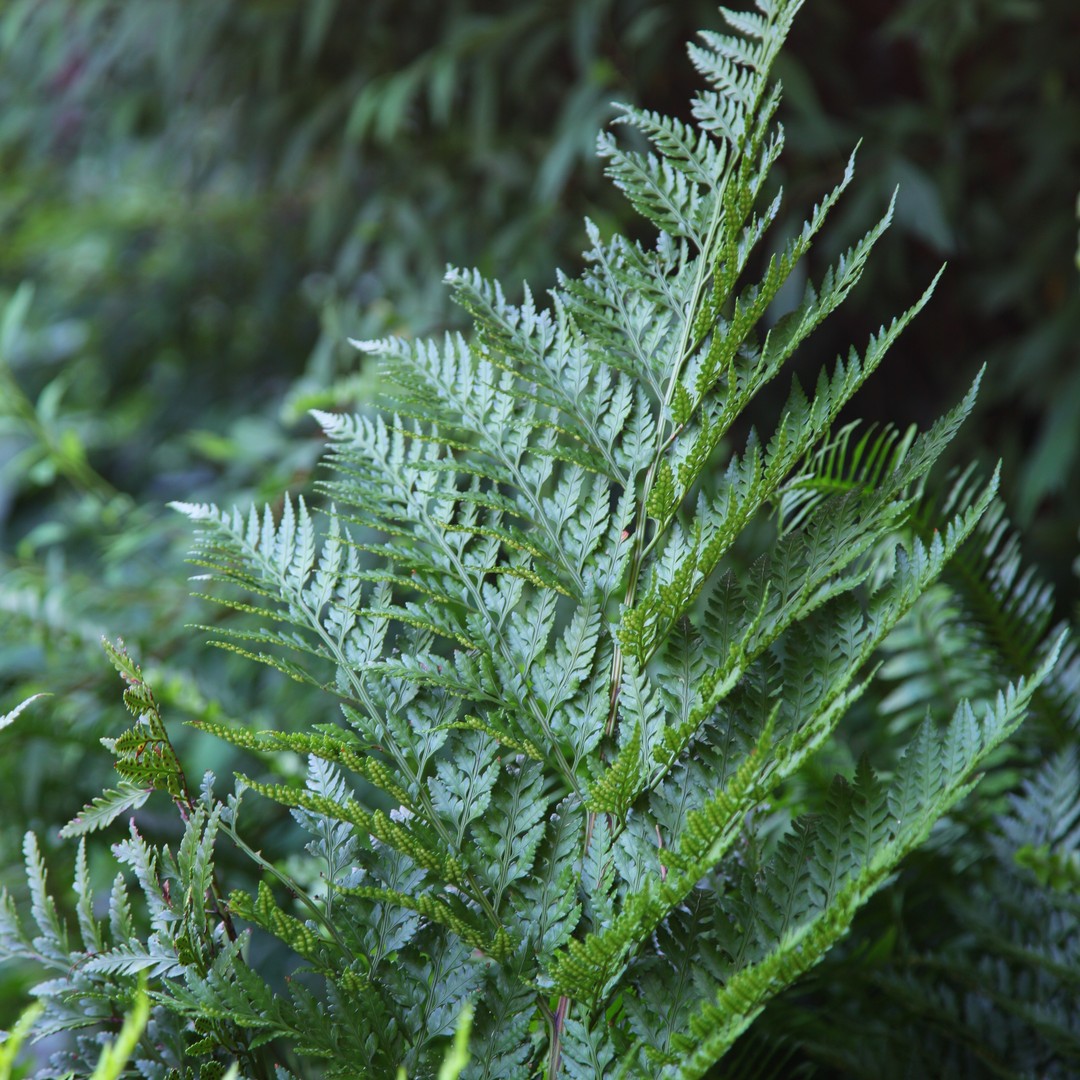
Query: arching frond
[552,700]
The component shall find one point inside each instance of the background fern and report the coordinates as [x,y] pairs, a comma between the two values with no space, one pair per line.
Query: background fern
[979,981]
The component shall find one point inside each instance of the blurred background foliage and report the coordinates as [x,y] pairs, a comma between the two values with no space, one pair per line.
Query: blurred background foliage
[200,200]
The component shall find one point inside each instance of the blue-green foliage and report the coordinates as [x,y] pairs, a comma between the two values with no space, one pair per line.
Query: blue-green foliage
[994,966]
[562,709]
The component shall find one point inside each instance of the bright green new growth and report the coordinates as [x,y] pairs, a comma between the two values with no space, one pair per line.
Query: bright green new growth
[563,706]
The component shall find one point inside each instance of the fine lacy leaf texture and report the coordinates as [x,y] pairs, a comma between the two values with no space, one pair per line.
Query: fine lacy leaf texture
[547,653]
[565,662]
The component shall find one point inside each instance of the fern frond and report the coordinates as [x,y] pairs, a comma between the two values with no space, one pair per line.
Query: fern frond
[52,941]
[1013,608]
[838,466]
[145,757]
[106,808]
[10,717]
[934,774]
[709,832]
[934,658]
[1003,994]
[526,600]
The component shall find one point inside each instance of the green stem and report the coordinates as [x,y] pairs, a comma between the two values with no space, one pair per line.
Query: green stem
[289,884]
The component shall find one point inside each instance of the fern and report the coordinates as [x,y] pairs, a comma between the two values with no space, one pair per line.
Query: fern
[564,701]
[492,483]
[991,613]
[10,717]
[1000,998]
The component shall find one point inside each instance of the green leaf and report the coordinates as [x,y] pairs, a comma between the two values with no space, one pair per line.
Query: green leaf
[106,808]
